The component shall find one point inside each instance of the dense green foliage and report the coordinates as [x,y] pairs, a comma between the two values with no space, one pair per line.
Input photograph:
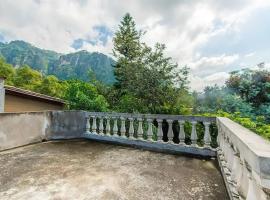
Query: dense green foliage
[147,80]
[65,66]
[246,96]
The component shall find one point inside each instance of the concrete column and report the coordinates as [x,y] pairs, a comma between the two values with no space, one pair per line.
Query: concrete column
[2,94]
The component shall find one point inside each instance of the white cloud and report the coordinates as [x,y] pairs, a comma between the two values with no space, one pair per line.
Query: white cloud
[198,83]
[182,25]
[208,65]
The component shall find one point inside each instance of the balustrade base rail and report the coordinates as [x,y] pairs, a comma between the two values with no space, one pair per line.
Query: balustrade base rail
[163,147]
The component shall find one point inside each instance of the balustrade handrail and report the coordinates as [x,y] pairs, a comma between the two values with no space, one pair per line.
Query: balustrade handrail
[189,118]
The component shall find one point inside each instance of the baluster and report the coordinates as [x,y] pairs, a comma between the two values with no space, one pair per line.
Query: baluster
[160,131]
[181,132]
[87,127]
[207,137]
[108,126]
[194,134]
[101,127]
[150,130]
[94,125]
[123,127]
[140,129]
[170,131]
[131,128]
[115,127]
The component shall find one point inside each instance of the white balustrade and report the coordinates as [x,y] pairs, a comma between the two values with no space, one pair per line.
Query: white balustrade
[245,160]
[145,123]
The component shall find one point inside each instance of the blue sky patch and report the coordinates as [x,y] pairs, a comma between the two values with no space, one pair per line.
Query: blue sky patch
[103,35]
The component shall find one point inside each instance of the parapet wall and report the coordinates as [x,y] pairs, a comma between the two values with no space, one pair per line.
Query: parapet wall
[18,129]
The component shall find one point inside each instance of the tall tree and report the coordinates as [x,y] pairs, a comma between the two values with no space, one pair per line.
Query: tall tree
[127,48]
[143,73]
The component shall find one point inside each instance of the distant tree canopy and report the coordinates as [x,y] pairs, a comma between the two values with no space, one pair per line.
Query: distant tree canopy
[246,91]
[253,86]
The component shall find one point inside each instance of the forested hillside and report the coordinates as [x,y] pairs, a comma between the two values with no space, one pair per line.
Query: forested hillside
[65,66]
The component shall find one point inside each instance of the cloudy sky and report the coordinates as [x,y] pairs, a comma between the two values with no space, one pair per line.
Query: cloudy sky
[212,37]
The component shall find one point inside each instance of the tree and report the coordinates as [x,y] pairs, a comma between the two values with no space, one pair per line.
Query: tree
[143,73]
[253,86]
[7,71]
[84,96]
[52,86]
[27,78]
[127,49]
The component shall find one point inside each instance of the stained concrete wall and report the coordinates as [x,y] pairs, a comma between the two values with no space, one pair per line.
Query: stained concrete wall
[17,129]
[66,124]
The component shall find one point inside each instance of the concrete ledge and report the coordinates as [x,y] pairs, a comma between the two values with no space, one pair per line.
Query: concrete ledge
[229,187]
[201,152]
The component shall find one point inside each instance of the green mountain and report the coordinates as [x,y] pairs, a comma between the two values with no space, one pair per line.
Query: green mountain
[65,66]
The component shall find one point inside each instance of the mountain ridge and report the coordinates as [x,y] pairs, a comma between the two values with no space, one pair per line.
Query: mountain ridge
[76,65]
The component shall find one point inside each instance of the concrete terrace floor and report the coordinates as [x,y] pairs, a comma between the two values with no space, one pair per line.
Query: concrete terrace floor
[84,170]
